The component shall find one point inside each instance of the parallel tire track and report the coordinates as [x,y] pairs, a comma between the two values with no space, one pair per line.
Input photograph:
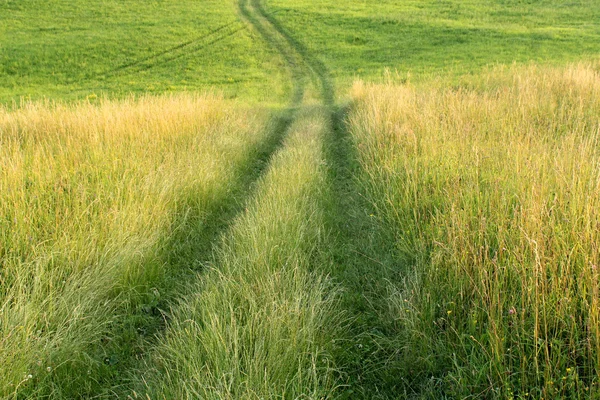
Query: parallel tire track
[181,50]
[170,49]
[142,65]
[295,63]
[360,372]
[312,64]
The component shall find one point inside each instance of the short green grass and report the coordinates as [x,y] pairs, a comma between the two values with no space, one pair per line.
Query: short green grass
[427,38]
[62,49]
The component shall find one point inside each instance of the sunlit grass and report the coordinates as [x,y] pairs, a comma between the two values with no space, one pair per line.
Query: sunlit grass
[260,323]
[92,197]
[492,193]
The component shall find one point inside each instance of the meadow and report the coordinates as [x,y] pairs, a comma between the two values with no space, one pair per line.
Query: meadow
[298,200]
[78,50]
[73,50]
[491,197]
[102,209]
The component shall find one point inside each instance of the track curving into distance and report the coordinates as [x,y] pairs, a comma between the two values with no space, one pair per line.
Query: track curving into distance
[302,65]
[358,242]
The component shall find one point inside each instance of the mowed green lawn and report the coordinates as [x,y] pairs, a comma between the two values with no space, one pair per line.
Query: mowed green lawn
[432,37]
[62,49]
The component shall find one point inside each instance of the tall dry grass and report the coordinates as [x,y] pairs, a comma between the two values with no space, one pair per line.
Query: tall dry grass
[492,190]
[92,197]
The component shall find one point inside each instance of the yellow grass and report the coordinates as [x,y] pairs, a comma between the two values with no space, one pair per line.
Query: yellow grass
[260,324]
[90,197]
[493,192]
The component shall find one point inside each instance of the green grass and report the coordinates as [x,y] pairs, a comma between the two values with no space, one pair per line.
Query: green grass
[450,37]
[70,50]
[431,237]
[261,322]
[105,209]
[74,49]
[490,196]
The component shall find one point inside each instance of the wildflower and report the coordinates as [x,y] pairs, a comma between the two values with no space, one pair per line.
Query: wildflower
[48,369]
[512,311]
[449,312]
[568,370]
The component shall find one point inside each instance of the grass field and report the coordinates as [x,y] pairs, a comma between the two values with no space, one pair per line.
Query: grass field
[299,200]
[69,50]
[425,39]
[103,208]
[491,197]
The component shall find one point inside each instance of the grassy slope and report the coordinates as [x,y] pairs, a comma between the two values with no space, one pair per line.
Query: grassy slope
[70,49]
[362,38]
[66,50]
[425,36]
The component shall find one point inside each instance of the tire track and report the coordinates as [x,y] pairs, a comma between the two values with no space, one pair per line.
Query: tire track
[303,64]
[358,263]
[169,50]
[133,335]
[141,65]
[294,62]
[315,66]
[181,50]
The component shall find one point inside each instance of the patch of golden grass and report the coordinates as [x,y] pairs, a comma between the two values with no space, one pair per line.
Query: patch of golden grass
[89,194]
[493,192]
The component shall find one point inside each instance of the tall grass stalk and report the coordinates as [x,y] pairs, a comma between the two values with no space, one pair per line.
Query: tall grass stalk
[91,198]
[493,193]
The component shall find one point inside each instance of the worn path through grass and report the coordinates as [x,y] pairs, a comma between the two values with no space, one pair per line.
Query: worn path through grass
[198,237]
[361,261]
[350,251]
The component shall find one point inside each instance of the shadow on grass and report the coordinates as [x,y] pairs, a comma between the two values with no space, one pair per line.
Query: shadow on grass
[364,263]
[314,64]
[361,251]
[108,366]
[294,63]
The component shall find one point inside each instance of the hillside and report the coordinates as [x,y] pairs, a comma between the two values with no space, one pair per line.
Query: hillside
[371,201]
[71,50]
